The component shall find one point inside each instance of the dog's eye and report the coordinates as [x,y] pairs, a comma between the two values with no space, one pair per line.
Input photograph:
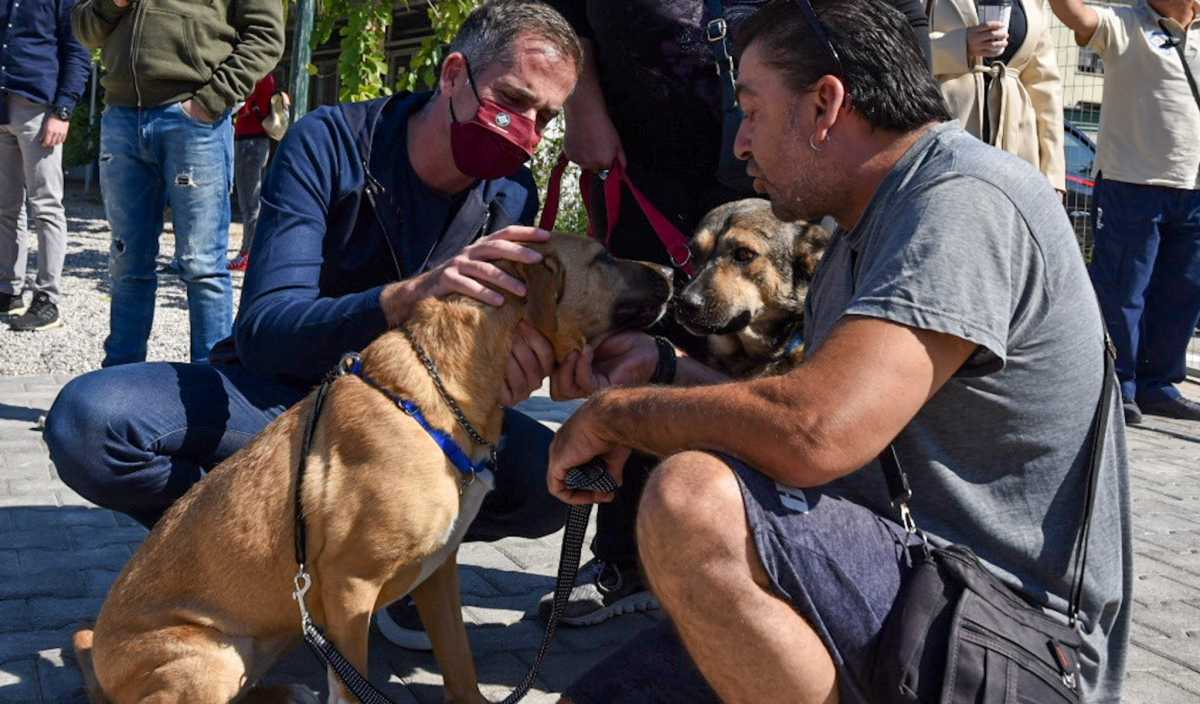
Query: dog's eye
[744,254]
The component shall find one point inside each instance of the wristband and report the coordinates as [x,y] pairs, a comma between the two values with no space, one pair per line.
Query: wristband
[664,369]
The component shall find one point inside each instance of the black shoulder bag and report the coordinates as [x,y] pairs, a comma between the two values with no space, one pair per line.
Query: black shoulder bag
[958,635]
[731,171]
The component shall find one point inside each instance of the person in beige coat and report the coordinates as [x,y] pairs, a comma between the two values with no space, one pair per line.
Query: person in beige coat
[1002,86]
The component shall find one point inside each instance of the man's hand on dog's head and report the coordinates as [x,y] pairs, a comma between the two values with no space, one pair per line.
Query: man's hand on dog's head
[470,272]
[625,358]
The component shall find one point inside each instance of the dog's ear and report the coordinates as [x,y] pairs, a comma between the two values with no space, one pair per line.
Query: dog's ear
[544,284]
[809,242]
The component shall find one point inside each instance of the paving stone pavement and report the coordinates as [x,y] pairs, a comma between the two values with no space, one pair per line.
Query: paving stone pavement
[59,555]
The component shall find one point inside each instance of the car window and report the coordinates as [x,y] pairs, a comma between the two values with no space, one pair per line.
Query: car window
[1079,155]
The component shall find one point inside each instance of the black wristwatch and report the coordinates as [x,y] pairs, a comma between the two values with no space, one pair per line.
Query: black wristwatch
[664,369]
[61,112]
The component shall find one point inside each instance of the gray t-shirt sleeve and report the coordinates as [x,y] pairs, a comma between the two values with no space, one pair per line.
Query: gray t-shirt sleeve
[944,261]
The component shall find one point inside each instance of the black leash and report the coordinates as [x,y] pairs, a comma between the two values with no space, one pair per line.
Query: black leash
[314,637]
[592,476]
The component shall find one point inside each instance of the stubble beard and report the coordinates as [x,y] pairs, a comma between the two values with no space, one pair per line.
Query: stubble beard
[806,197]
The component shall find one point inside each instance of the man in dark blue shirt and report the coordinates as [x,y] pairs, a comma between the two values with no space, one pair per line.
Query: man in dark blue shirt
[43,69]
[366,209]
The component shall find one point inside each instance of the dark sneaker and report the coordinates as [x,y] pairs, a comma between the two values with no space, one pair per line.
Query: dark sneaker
[1181,408]
[42,315]
[12,304]
[400,624]
[602,590]
[1133,414]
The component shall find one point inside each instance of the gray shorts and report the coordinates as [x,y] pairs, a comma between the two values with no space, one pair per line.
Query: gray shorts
[838,564]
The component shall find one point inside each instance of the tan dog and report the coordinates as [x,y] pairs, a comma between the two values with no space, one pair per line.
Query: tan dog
[748,295]
[204,608]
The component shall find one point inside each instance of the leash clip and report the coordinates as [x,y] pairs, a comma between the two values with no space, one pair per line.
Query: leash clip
[303,582]
[681,263]
[906,518]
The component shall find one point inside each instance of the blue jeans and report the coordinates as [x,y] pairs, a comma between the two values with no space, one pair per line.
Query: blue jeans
[151,158]
[135,438]
[1146,271]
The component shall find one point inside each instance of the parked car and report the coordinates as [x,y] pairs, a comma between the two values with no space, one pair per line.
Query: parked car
[1080,155]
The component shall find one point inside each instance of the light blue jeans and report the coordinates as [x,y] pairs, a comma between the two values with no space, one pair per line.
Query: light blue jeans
[151,158]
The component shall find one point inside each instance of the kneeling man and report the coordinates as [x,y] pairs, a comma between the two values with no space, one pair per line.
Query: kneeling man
[367,208]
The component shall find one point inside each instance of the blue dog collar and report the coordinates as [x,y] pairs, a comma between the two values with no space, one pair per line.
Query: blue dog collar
[352,364]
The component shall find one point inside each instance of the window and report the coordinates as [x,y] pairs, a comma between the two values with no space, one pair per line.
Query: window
[1090,62]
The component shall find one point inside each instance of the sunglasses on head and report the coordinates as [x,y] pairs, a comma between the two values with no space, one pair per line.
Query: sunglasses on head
[818,28]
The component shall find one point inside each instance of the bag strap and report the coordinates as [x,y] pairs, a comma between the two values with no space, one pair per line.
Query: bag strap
[716,33]
[1187,69]
[617,180]
[901,493]
[1099,424]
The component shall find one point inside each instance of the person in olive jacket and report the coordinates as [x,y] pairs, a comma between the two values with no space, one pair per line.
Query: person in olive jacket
[175,71]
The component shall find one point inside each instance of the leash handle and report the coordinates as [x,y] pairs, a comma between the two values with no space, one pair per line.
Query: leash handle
[672,239]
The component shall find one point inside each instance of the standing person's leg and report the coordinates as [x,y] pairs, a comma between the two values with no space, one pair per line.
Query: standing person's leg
[134,438]
[44,187]
[250,162]
[131,181]
[1172,312]
[1125,219]
[13,243]
[197,159]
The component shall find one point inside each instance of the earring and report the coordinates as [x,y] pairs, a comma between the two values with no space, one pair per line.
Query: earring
[812,146]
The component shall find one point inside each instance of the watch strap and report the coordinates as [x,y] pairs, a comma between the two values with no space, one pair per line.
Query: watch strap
[664,369]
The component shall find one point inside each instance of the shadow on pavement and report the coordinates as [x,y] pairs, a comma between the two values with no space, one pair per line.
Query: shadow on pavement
[20,413]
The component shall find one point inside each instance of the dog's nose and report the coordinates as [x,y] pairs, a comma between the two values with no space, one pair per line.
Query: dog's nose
[664,271]
[688,302]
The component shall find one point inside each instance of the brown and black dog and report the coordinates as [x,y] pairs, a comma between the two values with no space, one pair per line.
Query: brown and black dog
[747,298]
[204,608]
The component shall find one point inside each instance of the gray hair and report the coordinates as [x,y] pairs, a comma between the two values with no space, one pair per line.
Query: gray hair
[490,31]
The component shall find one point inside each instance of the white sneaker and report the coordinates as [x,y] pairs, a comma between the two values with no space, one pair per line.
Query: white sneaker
[400,624]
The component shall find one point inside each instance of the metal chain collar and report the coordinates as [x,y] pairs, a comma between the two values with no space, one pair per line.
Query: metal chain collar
[459,416]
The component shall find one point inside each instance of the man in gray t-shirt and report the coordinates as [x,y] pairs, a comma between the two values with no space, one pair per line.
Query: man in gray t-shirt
[963,239]
[952,317]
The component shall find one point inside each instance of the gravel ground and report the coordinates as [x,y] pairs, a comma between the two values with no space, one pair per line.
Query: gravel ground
[77,346]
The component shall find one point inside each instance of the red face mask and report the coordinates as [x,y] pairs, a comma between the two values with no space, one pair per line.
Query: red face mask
[494,143]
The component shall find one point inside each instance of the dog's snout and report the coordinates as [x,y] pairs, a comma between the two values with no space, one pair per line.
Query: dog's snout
[688,302]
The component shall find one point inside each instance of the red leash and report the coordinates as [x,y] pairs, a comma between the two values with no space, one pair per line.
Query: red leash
[672,239]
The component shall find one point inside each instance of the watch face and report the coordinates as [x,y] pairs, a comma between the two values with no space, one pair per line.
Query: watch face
[62,113]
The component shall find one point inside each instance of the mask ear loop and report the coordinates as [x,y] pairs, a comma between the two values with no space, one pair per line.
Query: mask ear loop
[471,80]
[474,89]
